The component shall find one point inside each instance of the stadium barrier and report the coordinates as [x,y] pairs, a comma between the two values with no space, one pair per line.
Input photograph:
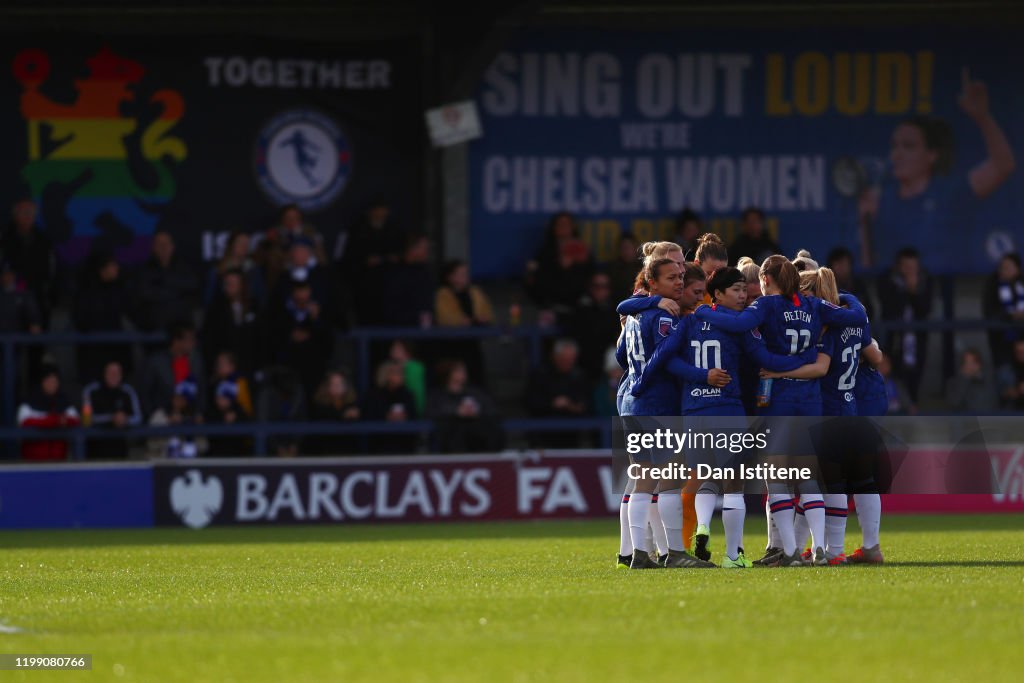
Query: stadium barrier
[529,485]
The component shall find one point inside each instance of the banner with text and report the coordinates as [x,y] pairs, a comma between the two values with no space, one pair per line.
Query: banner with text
[117,139]
[869,140]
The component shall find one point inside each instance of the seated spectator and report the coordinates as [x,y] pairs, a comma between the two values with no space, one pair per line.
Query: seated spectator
[594,325]
[1004,301]
[623,269]
[300,337]
[972,390]
[335,401]
[233,323]
[410,282]
[182,411]
[391,400]
[30,253]
[560,390]
[753,241]
[461,304]
[467,420]
[301,265]
[166,369]
[47,408]
[905,293]
[688,228]
[101,304]
[236,258]
[110,404]
[230,403]
[19,311]
[166,287]
[900,402]
[291,226]
[1011,379]
[458,303]
[840,260]
[606,392]
[281,398]
[415,373]
[557,276]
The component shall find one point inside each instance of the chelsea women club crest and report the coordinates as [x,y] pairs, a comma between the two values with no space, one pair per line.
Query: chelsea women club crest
[303,158]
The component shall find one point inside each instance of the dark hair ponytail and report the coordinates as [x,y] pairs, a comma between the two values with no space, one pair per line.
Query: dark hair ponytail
[784,273]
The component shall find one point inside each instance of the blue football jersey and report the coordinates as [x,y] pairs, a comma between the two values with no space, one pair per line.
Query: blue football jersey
[642,334]
[842,345]
[698,346]
[790,326]
[872,400]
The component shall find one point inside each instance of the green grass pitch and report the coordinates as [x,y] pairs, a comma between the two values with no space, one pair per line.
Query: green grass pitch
[508,602]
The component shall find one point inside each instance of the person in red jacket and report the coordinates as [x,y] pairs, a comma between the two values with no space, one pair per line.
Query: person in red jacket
[47,408]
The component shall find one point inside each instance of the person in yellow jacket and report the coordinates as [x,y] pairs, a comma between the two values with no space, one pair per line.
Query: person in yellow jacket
[458,303]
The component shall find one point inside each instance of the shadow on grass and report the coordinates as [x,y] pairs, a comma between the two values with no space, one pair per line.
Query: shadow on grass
[952,563]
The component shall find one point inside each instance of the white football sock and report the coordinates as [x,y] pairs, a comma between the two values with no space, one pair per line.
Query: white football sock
[801,532]
[625,543]
[734,510]
[658,527]
[869,513]
[639,510]
[773,531]
[670,507]
[782,515]
[704,503]
[835,523]
[814,511]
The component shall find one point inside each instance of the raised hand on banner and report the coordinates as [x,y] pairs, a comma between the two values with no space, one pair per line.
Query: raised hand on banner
[973,97]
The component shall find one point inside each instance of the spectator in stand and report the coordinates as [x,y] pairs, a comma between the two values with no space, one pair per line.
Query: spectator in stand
[166,287]
[47,408]
[606,392]
[230,403]
[840,260]
[900,402]
[972,390]
[622,271]
[375,244]
[269,261]
[281,399]
[458,303]
[415,373]
[236,258]
[182,412]
[594,325]
[19,311]
[301,264]
[335,401]
[754,241]
[300,336]
[905,293]
[110,404]
[410,282]
[467,420]
[557,276]
[166,369]
[30,253]
[290,227]
[1011,379]
[688,229]
[392,401]
[101,304]
[560,390]
[233,323]
[1004,301]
